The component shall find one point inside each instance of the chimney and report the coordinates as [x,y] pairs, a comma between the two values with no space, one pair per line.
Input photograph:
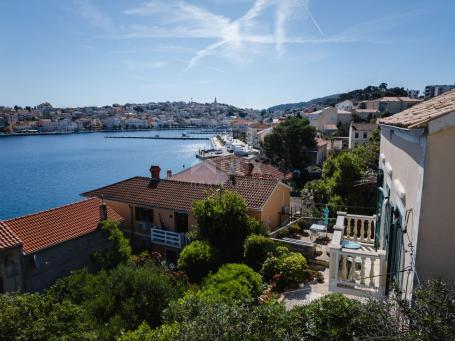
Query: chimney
[103,210]
[155,172]
[168,174]
[249,170]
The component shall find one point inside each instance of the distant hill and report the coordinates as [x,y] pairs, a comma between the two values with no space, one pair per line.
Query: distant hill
[369,93]
[327,100]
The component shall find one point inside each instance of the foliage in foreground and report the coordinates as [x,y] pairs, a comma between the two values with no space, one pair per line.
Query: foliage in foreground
[121,298]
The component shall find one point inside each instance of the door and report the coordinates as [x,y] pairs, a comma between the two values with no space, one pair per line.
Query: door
[181,222]
[379,202]
[395,243]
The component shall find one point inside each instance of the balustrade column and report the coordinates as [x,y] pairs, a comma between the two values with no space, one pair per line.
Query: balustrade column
[372,262]
[362,271]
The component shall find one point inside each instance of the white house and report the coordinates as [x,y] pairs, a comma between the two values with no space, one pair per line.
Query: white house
[346,105]
[360,133]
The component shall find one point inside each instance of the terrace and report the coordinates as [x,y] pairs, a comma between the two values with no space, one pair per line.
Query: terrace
[356,266]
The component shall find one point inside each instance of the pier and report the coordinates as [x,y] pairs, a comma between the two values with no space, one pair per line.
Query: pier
[159,137]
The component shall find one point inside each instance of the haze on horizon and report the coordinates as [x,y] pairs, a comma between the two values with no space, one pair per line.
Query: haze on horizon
[248,53]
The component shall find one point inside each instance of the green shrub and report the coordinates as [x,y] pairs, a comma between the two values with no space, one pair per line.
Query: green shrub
[233,282]
[257,248]
[294,229]
[293,268]
[284,268]
[334,317]
[283,233]
[197,259]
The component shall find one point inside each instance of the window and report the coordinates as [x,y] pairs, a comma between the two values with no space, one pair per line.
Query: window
[356,135]
[181,222]
[144,214]
[365,135]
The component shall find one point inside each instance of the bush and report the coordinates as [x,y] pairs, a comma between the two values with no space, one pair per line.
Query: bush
[197,259]
[284,268]
[334,317]
[293,268]
[233,282]
[283,233]
[294,229]
[39,317]
[257,248]
[121,298]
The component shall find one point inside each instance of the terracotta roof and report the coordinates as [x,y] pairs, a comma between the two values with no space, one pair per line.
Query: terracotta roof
[260,126]
[7,237]
[256,191]
[203,173]
[364,126]
[180,195]
[420,114]
[47,228]
[171,194]
[240,167]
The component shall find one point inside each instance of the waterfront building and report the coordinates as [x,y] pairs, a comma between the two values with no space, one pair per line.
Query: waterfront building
[38,249]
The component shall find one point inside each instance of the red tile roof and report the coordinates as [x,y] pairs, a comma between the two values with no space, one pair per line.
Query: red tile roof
[7,237]
[180,195]
[176,195]
[240,167]
[256,191]
[44,229]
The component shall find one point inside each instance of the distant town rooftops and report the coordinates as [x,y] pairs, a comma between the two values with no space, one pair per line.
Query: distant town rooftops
[419,115]
[47,228]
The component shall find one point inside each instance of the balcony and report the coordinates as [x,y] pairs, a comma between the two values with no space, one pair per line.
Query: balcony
[360,272]
[168,238]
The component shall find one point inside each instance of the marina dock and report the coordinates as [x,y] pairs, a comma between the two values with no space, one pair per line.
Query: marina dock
[159,137]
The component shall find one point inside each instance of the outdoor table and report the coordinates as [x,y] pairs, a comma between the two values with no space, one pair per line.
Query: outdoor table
[317,228]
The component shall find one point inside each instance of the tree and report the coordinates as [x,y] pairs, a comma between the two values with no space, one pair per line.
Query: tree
[290,143]
[232,282]
[39,317]
[120,251]
[223,221]
[256,250]
[197,259]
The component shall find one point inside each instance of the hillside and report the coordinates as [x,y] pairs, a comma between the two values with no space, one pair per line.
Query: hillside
[369,93]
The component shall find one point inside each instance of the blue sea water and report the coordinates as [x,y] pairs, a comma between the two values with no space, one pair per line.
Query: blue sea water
[41,172]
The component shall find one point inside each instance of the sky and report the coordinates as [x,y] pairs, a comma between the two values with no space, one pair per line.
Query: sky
[248,53]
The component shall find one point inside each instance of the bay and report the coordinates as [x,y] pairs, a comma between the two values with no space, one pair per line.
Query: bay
[46,171]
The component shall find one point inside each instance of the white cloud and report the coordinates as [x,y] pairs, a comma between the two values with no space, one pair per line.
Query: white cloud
[94,15]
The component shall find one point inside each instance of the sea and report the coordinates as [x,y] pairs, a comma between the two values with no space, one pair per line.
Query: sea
[45,171]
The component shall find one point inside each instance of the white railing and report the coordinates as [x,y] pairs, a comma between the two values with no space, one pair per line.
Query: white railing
[359,272]
[358,227]
[168,238]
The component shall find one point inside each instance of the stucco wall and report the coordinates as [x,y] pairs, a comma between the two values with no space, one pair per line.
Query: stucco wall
[10,270]
[436,240]
[404,154]
[271,212]
[57,261]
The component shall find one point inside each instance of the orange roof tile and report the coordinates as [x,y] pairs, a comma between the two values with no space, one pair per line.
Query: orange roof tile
[7,237]
[171,194]
[47,228]
[420,114]
[180,195]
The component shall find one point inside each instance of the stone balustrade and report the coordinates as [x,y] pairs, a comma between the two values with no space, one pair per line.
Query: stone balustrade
[359,272]
[359,228]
